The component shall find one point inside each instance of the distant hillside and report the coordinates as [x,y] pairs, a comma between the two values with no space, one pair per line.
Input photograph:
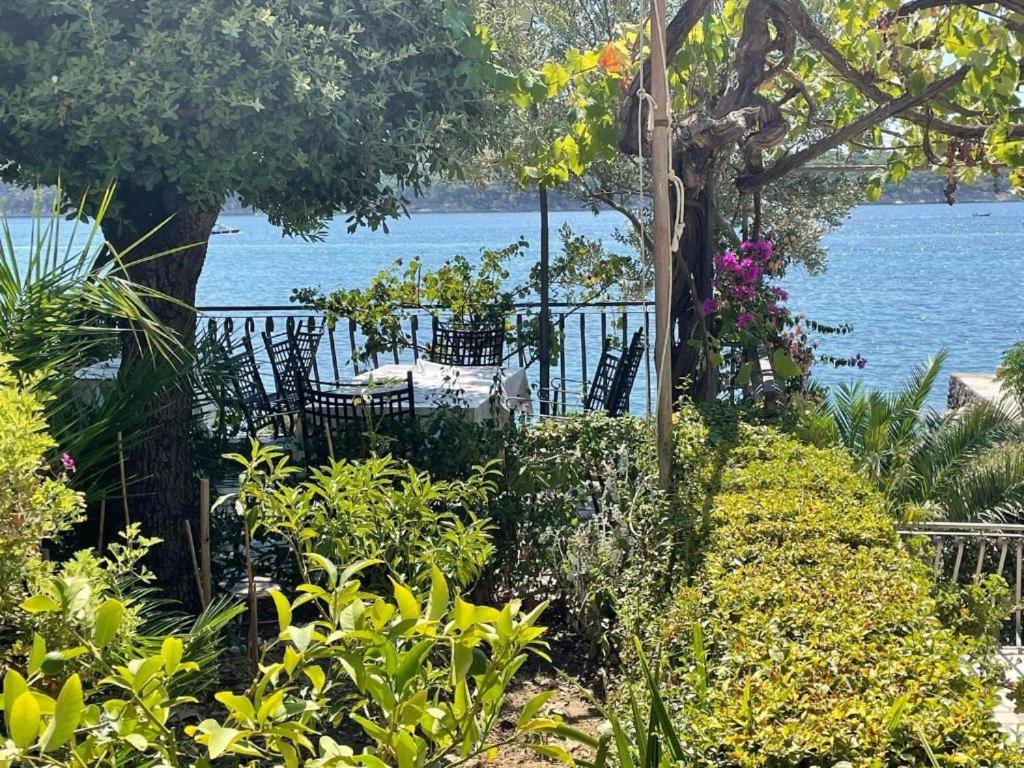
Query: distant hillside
[927,187]
[918,187]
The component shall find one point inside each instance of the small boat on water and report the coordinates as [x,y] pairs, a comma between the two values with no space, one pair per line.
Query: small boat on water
[981,215]
[220,229]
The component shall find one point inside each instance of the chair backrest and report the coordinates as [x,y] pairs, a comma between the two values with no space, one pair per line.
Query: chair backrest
[467,346]
[252,395]
[604,379]
[613,380]
[291,358]
[338,414]
[618,401]
[396,403]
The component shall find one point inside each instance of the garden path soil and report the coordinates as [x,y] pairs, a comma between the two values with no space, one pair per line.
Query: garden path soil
[569,702]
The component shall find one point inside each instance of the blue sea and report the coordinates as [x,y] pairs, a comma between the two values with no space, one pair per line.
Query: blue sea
[911,279]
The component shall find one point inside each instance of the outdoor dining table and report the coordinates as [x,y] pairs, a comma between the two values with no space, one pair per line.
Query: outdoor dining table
[479,392]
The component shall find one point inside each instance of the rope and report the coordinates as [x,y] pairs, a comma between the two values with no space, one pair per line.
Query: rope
[644,98]
[680,222]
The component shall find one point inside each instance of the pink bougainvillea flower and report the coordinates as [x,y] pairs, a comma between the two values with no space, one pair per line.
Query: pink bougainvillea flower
[727,262]
[744,320]
[780,293]
[708,307]
[67,462]
[742,292]
[750,272]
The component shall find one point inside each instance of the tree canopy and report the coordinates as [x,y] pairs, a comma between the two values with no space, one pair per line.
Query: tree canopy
[301,108]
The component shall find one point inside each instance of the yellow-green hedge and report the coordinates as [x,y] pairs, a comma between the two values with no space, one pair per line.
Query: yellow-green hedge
[820,635]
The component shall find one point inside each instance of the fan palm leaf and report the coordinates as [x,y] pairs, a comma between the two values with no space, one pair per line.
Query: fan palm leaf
[66,301]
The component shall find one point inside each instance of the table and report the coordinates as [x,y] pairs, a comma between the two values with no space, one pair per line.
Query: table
[480,391]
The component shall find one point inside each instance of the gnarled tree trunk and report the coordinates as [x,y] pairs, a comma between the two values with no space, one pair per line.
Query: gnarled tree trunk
[161,478]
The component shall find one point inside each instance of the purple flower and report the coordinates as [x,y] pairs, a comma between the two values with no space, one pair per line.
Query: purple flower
[750,272]
[67,462]
[744,320]
[742,292]
[726,262]
[780,293]
[708,307]
[759,250]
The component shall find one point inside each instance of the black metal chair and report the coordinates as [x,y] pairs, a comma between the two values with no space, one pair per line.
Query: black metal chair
[339,412]
[252,398]
[292,357]
[617,402]
[613,380]
[467,346]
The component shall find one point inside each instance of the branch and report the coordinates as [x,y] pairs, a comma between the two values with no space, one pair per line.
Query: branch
[678,30]
[893,108]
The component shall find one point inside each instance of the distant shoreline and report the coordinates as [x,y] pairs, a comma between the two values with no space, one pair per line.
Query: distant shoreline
[491,212]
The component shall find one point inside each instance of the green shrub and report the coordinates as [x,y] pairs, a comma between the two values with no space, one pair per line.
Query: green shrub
[812,637]
[581,522]
[36,505]
[377,509]
[410,680]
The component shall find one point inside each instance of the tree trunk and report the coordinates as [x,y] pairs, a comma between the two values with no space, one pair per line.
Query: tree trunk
[694,254]
[161,478]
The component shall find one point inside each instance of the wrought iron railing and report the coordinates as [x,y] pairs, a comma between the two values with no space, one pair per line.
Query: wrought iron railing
[580,336]
[969,552]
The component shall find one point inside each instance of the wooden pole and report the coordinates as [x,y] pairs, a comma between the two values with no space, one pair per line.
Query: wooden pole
[195,563]
[662,236]
[204,538]
[124,479]
[544,345]
[103,522]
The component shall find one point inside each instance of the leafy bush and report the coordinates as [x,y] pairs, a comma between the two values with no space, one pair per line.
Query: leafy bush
[581,522]
[36,508]
[378,509]
[424,678]
[812,636]
[36,505]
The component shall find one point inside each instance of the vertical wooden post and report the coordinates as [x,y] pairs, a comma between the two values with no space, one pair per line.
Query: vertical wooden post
[662,249]
[124,479]
[204,538]
[544,351]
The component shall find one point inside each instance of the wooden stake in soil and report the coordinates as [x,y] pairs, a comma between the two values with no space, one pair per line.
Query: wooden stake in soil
[124,479]
[103,522]
[195,563]
[253,615]
[204,538]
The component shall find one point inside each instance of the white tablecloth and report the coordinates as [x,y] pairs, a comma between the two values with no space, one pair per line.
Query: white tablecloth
[482,391]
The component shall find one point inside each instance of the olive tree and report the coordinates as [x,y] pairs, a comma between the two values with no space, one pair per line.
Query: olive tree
[302,108]
[765,87]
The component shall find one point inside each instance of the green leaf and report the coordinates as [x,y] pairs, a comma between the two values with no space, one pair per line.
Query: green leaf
[221,740]
[171,650]
[41,604]
[24,719]
[237,705]
[411,663]
[437,604]
[14,686]
[66,715]
[533,706]
[408,606]
[744,373]
[35,659]
[284,609]
[108,621]
[784,367]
